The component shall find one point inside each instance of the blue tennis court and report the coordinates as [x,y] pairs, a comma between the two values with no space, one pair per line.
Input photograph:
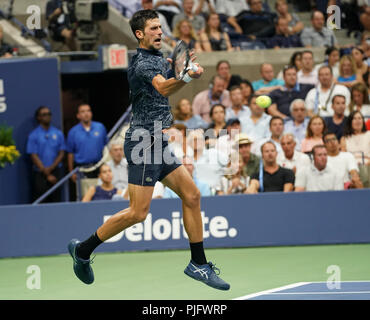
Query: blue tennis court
[344,290]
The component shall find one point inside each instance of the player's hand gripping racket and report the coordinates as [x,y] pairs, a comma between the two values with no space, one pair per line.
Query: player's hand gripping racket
[181,60]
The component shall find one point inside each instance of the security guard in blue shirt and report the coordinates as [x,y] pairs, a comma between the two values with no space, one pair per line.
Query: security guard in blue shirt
[46,147]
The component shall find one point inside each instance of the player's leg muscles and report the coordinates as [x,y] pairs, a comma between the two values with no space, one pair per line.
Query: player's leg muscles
[140,198]
[183,185]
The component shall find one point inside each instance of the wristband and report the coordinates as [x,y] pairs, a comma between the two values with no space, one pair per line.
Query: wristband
[187,78]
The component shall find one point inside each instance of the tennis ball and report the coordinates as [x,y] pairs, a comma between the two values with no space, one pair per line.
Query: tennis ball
[263,101]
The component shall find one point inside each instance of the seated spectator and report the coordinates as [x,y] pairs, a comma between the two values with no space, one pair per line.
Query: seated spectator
[365,45]
[282,98]
[283,38]
[356,139]
[46,147]
[276,127]
[348,73]
[295,26]
[118,165]
[234,181]
[60,24]
[298,124]
[217,114]
[213,38]
[318,35]
[223,70]
[230,9]
[359,57]
[6,50]
[247,90]
[360,100]
[255,22]
[291,158]
[337,122]
[169,8]
[183,113]
[331,60]
[318,176]
[237,110]
[315,130]
[184,31]
[295,61]
[204,7]
[128,7]
[307,75]
[215,94]
[106,190]
[250,162]
[318,100]
[256,126]
[196,20]
[365,19]
[268,82]
[225,142]
[344,163]
[274,177]
[203,187]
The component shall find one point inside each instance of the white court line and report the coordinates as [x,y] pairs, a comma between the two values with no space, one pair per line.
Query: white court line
[323,292]
[289,286]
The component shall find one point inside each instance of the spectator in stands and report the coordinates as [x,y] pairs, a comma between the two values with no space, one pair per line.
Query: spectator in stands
[315,130]
[344,163]
[177,141]
[318,176]
[203,187]
[196,20]
[223,70]
[365,19]
[247,90]
[6,50]
[209,164]
[215,94]
[276,127]
[60,24]
[331,60]
[183,113]
[217,115]
[274,177]
[129,7]
[291,158]
[297,125]
[256,126]
[359,57]
[204,7]
[307,75]
[282,98]
[85,141]
[268,82]
[184,31]
[225,142]
[213,38]
[318,100]
[318,35]
[237,110]
[250,162]
[106,190]
[229,9]
[234,181]
[283,38]
[356,139]
[360,100]
[46,147]
[348,73]
[295,61]
[256,23]
[295,26]
[118,165]
[169,8]
[336,123]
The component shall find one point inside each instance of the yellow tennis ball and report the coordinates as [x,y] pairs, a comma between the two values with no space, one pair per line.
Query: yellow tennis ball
[263,101]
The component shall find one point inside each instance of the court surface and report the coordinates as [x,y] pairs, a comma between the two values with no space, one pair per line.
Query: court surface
[160,275]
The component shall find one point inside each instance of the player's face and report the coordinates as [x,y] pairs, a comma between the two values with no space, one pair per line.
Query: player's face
[151,38]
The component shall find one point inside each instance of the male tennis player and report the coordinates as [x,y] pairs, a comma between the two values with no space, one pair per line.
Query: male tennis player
[150,88]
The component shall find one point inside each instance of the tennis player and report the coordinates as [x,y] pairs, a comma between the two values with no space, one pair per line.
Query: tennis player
[148,157]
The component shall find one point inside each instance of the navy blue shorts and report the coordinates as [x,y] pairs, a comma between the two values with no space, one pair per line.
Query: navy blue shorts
[149,159]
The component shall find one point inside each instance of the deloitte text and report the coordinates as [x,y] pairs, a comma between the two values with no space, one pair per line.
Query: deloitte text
[163,229]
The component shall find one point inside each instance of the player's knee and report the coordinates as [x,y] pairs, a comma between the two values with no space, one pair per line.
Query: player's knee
[192,198]
[139,215]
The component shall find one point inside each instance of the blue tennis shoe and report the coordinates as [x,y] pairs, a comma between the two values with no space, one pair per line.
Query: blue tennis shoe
[81,267]
[206,273]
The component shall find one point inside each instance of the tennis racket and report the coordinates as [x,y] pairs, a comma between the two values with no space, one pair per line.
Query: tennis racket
[181,61]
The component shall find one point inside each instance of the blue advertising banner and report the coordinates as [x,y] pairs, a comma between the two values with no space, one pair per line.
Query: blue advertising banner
[270,219]
[25,84]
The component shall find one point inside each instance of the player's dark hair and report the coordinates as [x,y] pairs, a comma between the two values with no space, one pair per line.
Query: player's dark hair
[139,19]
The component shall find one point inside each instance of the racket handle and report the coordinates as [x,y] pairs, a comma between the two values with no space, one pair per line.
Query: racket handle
[193,67]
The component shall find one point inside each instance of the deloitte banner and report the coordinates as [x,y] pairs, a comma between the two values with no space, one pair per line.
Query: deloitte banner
[269,219]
